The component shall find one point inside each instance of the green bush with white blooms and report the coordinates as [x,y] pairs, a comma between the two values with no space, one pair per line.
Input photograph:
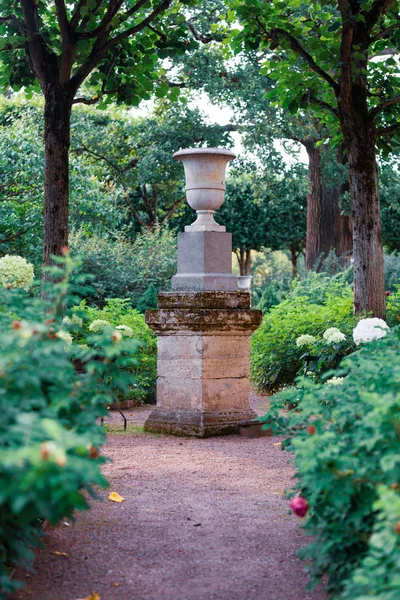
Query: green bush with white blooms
[49,437]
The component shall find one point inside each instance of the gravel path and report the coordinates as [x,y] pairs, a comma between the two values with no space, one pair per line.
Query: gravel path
[202,519]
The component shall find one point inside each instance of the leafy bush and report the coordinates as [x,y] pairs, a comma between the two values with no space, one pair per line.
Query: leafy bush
[345,441]
[118,313]
[392,271]
[49,438]
[122,269]
[393,308]
[315,304]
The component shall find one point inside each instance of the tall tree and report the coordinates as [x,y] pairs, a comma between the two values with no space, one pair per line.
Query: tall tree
[320,56]
[109,46]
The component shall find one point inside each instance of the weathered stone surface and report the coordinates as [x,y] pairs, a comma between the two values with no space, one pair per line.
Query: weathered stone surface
[208,299]
[197,423]
[205,262]
[202,320]
[203,370]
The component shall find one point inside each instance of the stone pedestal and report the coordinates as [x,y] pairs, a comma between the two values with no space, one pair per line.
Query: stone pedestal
[203,386]
[205,262]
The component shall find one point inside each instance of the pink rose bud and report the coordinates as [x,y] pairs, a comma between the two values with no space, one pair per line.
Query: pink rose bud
[387,293]
[299,506]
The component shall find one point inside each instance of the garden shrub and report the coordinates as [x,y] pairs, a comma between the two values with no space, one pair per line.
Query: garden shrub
[49,438]
[124,269]
[118,313]
[345,440]
[314,305]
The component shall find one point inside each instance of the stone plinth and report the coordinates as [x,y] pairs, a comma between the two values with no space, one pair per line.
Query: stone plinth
[203,385]
[205,262]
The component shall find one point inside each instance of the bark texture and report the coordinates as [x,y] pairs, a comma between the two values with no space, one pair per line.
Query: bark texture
[369,283]
[244,260]
[327,229]
[57,115]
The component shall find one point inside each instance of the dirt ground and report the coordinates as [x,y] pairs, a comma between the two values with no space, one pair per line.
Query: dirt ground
[202,519]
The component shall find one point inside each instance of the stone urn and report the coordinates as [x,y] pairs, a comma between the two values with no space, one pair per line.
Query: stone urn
[205,183]
[244,282]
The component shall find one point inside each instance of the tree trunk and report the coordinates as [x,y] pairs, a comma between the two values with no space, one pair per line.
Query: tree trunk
[327,228]
[369,284]
[294,255]
[244,261]
[247,263]
[57,117]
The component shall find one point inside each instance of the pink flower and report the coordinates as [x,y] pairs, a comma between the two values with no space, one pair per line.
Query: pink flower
[299,506]
[387,293]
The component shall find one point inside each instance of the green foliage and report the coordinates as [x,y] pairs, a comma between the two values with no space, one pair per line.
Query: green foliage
[94,205]
[303,41]
[348,470]
[314,305]
[265,207]
[119,312]
[390,204]
[122,269]
[111,49]
[148,300]
[48,430]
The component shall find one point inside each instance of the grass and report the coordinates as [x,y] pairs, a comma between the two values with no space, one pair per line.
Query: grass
[118,429]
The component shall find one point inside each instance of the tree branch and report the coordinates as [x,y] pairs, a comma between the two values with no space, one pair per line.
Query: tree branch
[390,130]
[17,235]
[325,105]
[84,148]
[171,211]
[385,32]
[62,20]
[102,46]
[345,49]
[140,26]
[298,49]
[372,16]
[39,54]
[374,111]
[15,21]
[135,212]
[204,39]
[87,101]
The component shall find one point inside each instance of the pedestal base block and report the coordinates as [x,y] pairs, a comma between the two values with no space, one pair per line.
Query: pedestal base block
[203,364]
[197,423]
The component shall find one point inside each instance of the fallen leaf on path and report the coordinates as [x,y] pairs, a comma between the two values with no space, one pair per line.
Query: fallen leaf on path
[278,444]
[116,584]
[114,497]
[56,553]
[91,597]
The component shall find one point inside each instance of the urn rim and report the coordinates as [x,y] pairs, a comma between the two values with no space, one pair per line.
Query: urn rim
[204,151]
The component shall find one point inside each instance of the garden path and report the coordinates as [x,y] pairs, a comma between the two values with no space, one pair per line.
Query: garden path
[202,519]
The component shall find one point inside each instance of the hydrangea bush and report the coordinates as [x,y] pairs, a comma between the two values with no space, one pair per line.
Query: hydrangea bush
[345,441]
[16,272]
[119,317]
[49,439]
[294,329]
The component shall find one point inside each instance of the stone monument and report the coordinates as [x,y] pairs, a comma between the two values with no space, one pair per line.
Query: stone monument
[204,325]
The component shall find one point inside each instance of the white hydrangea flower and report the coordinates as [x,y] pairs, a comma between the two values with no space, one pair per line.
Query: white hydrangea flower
[125,330]
[98,325]
[74,320]
[335,381]
[333,335]
[305,340]
[65,336]
[16,272]
[370,329]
